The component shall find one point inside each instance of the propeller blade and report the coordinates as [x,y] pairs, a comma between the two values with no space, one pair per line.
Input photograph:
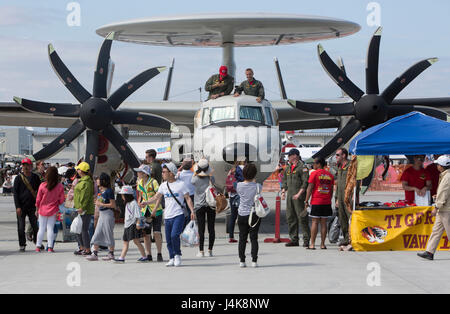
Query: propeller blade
[91,149]
[280,79]
[116,99]
[60,110]
[338,76]
[399,110]
[66,77]
[426,102]
[407,77]
[61,141]
[169,81]
[115,138]
[140,118]
[331,109]
[101,73]
[373,56]
[339,139]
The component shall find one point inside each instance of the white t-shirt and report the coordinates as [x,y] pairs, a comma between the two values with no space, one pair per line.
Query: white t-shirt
[179,189]
[132,212]
[186,177]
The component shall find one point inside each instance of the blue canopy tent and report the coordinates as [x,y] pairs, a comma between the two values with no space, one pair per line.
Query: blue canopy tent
[411,134]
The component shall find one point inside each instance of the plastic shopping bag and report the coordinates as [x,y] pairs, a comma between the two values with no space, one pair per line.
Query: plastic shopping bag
[77,225]
[190,237]
[422,200]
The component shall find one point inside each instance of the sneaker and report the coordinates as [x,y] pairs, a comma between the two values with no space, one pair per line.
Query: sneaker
[22,248]
[159,258]
[232,240]
[254,264]
[84,253]
[78,252]
[177,260]
[92,258]
[38,249]
[50,250]
[143,260]
[210,253]
[242,265]
[200,254]
[292,244]
[149,258]
[119,260]
[109,257]
[426,255]
[171,263]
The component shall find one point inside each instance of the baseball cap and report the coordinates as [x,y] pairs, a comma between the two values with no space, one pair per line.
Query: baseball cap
[84,166]
[171,167]
[143,168]
[444,161]
[126,189]
[27,161]
[294,152]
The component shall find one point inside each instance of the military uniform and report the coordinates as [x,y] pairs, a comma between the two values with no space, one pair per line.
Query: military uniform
[255,88]
[344,216]
[294,180]
[226,85]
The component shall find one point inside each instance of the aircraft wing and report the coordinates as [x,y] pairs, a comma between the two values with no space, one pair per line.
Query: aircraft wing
[294,119]
[180,113]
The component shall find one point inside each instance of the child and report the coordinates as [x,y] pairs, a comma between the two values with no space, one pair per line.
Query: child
[131,232]
[104,231]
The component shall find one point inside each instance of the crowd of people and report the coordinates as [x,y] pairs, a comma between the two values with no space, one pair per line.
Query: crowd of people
[165,193]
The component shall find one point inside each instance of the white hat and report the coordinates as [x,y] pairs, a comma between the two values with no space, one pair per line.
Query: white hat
[126,189]
[444,161]
[143,168]
[171,167]
[202,168]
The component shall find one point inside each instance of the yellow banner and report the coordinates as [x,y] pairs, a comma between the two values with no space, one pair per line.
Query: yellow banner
[405,229]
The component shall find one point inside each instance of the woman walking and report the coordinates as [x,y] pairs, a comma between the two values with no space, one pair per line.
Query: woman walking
[83,197]
[200,180]
[50,195]
[174,193]
[104,231]
[247,191]
[320,189]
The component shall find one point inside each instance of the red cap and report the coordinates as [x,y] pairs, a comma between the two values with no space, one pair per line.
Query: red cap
[223,71]
[27,161]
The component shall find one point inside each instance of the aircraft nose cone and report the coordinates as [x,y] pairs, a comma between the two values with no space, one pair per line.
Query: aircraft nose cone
[235,151]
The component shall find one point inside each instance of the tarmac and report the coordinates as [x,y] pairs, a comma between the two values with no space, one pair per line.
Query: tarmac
[280,270]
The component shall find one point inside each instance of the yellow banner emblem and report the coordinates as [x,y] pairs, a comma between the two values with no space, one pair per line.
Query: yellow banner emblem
[405,229]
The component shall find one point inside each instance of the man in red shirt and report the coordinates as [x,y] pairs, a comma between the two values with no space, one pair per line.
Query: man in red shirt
[416,179]
[320,189]
[434,174]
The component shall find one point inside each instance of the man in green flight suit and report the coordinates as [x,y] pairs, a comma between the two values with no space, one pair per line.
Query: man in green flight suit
[341,181]
[295,182]
[219,84]
[250,87]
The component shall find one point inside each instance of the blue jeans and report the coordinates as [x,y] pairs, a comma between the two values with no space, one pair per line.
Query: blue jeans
[174,227]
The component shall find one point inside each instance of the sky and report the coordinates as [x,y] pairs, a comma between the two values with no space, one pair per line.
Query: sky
[412,31]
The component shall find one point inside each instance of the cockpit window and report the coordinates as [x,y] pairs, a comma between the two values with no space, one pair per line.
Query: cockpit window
[251,113]
[222,113]
[206,117]
[268,116]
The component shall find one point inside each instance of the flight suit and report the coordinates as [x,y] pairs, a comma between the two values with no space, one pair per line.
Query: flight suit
[343,214]
[293,181]
[226,85]
[256,88]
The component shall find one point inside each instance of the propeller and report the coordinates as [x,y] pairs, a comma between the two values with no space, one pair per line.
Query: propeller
[369,108]
[97,113]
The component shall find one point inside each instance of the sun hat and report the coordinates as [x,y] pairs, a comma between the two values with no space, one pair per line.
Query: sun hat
[143,168]
[126,189]
[444,161]
[202,168]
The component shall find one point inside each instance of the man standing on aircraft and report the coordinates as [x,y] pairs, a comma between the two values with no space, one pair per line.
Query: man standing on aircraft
[219,84]
[251,87]
[295,182]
